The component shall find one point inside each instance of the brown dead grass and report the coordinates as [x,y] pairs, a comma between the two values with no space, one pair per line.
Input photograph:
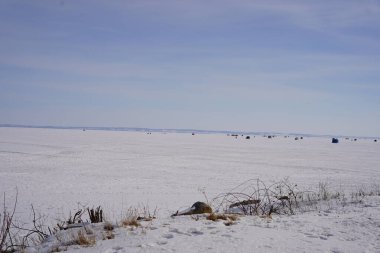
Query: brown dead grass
[108,226]
[130,222]
[131,218]
[226,217]
[108,235]
[84,240]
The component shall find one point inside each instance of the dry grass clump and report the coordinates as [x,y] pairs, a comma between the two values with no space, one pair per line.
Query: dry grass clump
[230,219]
[108,226]
[131,218]
[145,213]
[59,248]
[217,216]
[130,222]
[135,215]
[108,235]
[84,240]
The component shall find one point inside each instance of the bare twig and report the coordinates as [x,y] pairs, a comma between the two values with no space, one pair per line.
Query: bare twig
[6,218]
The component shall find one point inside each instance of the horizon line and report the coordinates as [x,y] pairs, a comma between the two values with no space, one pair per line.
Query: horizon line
[178,130]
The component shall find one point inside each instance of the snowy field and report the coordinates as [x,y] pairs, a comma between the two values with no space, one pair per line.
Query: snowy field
[59,171]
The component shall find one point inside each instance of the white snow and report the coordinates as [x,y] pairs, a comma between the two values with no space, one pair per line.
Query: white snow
[59,171]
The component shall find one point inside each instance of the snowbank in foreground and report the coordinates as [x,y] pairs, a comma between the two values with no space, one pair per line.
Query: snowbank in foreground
[350,228]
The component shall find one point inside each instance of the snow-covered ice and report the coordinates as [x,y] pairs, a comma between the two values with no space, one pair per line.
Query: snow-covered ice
[59,171]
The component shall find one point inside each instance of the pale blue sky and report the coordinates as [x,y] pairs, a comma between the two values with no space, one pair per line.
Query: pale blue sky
[287,66]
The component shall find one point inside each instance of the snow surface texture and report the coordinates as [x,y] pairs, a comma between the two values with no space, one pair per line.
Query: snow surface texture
[60,170]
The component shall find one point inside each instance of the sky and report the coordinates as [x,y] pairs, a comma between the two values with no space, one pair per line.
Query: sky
[244,65]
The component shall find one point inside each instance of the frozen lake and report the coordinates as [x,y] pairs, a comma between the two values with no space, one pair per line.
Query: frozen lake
[58,170]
